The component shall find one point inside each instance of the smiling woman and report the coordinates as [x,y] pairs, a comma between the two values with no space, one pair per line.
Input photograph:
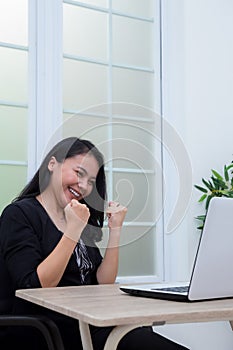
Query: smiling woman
[72,165]
[81,172]
[48,238]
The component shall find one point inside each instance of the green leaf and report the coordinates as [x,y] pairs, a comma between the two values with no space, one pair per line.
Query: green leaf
[202,198]
[200,217]
[229,194]
[216,174]
[208,184]
[219,184]
[229,166]
[226,173]
[208,201]
[202,189]
[216,183]
[216,186]
[226,192]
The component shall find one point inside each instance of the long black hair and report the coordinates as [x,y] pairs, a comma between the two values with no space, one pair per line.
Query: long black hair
[64,149]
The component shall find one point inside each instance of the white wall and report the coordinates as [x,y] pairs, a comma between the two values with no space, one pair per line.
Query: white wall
[198,102]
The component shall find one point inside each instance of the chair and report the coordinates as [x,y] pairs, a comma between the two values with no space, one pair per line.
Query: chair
[44,325]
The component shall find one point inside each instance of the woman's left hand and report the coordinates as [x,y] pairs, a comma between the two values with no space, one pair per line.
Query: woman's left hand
[116,215]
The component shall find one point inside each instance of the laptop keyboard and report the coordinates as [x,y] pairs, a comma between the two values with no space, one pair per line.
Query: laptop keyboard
[181,289]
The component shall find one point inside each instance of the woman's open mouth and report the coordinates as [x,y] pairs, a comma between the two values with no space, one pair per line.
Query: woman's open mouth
[75,193]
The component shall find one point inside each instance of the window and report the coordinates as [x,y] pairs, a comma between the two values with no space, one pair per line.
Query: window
[111,86]
[104,86]
[13,97]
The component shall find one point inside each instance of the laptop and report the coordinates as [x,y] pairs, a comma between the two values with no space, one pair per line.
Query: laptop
[212,274]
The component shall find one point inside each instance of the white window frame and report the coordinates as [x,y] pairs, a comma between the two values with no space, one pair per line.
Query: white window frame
[45,76]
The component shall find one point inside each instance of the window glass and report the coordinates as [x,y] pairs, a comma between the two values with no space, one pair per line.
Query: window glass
[137,192]
[132,40]
[135,7]
[85,32]
[13,131]
[133,87]
[12,181]
[14,21]
[85,84]
[87,127]
[13,75]
[134,138]
[137,251]
[100,3]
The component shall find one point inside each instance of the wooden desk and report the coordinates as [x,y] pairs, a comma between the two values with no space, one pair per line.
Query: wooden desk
[106,305]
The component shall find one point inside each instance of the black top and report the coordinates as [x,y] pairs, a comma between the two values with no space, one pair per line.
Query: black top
[27,237]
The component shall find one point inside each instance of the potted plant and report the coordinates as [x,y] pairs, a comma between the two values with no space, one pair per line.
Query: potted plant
[217,186]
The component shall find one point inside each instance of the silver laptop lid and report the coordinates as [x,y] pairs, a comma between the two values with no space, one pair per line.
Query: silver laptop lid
[213,269]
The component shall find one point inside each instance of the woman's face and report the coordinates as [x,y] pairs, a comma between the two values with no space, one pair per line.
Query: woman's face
[74,178]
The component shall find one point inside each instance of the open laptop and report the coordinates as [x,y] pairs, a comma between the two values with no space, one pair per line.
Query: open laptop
[212,275]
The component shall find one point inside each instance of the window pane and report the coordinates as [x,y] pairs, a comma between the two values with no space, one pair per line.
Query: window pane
[132,42]
[85,84]
[137,192]
[85,32]
[13,133]
[87,127]
[135,7]
[133,87]
[100,3]
[14,22]
[142,243]
[13,179]
[133,144]
[136,242]
[13,75]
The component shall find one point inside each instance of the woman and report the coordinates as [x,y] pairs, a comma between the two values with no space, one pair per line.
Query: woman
[48,238]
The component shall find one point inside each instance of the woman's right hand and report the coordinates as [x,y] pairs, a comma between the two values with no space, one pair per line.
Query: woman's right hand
[77,216]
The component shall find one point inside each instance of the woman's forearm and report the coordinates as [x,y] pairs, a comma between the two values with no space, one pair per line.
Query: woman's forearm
[50,270]
[107,271]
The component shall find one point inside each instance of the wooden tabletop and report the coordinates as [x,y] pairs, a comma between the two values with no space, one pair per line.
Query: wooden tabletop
[106,305]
